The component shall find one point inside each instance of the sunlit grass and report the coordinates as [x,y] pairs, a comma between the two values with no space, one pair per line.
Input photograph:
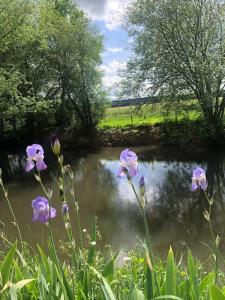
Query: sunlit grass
[130,116]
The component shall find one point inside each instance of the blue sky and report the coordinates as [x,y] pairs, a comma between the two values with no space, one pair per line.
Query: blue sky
[108,17]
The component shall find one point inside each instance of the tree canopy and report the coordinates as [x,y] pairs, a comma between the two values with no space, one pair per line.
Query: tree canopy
[179,48]
[49,75]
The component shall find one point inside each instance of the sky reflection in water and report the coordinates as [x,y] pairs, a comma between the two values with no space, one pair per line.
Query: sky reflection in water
[175,214]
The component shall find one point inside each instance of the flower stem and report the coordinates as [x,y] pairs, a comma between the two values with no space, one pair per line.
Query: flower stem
[147,234]
[76,207]
[42,185]
[12,212]
[53,247]
[215,246]
[64,200]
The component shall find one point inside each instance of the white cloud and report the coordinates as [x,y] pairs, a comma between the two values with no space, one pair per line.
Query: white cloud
[109,11]
[111,77]
[115,49]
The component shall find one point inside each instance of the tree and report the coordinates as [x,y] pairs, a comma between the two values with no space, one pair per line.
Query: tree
[49,75]
[14,16]
[77,47]
[179,48]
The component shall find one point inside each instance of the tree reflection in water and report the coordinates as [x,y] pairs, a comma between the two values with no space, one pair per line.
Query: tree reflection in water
[175,214]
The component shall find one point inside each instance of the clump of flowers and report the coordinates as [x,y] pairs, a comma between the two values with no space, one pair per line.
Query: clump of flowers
[129,164]
[42,212]
[35,156]
[198,179]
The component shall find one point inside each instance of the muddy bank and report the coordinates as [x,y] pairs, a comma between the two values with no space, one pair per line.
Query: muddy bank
[170,137]
[186,137]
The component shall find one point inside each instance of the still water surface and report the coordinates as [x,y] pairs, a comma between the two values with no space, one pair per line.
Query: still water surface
[175,214]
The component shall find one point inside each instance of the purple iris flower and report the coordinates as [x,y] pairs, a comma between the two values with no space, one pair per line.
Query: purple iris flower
[35,155]
[198,179]
[42,211]
[129,164]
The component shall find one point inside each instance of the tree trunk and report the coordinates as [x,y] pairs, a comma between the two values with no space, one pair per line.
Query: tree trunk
[213,118]
[2,129]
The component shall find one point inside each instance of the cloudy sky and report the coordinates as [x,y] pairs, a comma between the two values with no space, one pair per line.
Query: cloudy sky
[108,17]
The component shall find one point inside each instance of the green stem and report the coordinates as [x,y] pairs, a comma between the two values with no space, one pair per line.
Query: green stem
[72,241]
[147,235]
[64,200]
[53,247]
[215,246]
[78,223]
[12,212]
[42,185]
[145,222]
[49,222]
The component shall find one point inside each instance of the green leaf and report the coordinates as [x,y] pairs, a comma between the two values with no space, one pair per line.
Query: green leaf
[206,281]
[149,281]
[13,294]
[216,293]
[105,287]
[18,273]
[185,289]
[135,294]
[91,252]
[44,259]
[107,291]
[168,297]
[193,275]
[20,284]
[64,284]
[108,271]
[82,295]
[170,282]
[6,264]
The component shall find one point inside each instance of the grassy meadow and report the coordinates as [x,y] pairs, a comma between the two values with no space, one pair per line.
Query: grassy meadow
[118,117]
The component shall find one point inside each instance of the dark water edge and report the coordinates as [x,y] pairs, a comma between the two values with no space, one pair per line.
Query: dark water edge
[185,135]
[175,215]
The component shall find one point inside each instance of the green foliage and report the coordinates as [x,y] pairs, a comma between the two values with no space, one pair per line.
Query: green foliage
[179,49]
[46,281]
[216,293]
[170,281]
[49,75]
[6,264]
[127,116]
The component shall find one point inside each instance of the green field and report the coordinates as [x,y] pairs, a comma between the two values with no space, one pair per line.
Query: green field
[133,116]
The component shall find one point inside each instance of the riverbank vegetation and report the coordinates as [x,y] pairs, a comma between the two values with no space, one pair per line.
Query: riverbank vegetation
[49,75]
[84,271]
[150,114]
[179,48]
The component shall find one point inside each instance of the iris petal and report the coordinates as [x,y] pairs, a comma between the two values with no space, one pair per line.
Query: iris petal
[194,185]
[41,210]
[40,164]
[128,160]
[30,165]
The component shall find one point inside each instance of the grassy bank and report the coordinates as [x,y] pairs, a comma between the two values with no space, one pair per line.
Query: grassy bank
[144,115]
[41,276]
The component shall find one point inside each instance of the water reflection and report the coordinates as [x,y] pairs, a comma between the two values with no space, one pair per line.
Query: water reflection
[174,213]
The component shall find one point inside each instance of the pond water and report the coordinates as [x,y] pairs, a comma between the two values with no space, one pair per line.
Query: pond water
[175,214]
